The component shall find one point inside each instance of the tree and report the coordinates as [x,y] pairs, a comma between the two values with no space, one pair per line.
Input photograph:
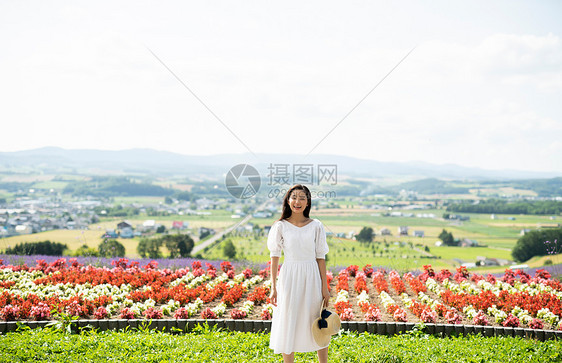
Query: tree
[161,229]
[86,251]
[37,248]
[111,248]
[150,247]
[534,244]
[229,250]
[365,235]
[447,238]
[179,245]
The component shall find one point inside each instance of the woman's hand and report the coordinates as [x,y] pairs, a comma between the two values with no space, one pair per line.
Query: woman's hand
[273,296]
[325,296]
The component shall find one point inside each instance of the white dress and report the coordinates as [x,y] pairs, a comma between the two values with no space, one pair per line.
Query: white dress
[299,286]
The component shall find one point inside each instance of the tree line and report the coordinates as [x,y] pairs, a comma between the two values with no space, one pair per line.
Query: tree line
[46,248]
[538,207]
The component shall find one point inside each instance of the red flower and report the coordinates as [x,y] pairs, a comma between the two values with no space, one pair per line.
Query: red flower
[10,313]
[237,314]
[265,314]
[368,270]
[259,295]
[247,273]
[207,313]
[352,270]
[536,324]
[233,295]
[340,306]
[226,266]
[127,313]
[511,321]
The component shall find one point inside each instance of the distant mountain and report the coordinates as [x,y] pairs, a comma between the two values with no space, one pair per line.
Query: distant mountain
[153,162]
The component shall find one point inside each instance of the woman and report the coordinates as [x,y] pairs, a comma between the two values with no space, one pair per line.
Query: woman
[302,286]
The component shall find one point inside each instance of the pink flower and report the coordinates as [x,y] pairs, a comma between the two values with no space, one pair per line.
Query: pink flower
[265,314]
[480,319]
[400,315]
[453,317]
[181,313]
[101,313]
[198,272]
[428,316]
[40,311]
[238,314]
[153,313]
[373,314]
[74,309]
[347,315]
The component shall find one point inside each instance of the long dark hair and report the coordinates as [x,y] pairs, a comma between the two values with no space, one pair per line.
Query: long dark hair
[286,211]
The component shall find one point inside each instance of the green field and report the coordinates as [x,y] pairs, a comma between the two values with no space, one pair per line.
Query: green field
[206,345]
[497,235]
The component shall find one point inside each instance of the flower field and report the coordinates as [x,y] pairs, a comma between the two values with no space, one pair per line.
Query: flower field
[128,290]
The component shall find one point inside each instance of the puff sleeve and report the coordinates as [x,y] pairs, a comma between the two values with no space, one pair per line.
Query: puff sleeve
[275,239]
[320,240]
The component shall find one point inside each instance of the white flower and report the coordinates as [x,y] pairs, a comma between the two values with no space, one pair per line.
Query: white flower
[247,306]
[499,315]
[386,299]
[363,297]
[220,309]
[343,295]
[470,312]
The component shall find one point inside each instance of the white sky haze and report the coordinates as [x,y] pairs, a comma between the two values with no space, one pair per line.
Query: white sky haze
[482,88]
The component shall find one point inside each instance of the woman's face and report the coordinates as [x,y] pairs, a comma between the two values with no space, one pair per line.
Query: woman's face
[297,201]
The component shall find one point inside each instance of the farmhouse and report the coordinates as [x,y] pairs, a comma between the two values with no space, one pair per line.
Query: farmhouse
[385,232]
[206,230]
[262,214]
[180,225]
[403,230]
[24,229]
[468,243]
[124,224]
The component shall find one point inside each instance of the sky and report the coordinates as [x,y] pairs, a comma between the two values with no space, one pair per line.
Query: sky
[473,83]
